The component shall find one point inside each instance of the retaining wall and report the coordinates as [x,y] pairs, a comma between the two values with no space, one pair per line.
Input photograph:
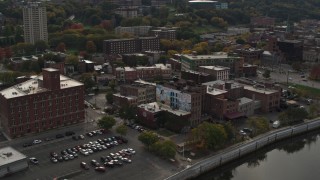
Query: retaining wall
[244,149]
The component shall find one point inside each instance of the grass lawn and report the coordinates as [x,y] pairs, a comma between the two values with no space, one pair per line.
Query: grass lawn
[166,133]
[308,90]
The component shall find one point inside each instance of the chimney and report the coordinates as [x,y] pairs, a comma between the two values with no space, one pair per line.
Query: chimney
[51,78]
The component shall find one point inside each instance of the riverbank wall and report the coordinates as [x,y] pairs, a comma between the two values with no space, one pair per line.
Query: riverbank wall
[244,149]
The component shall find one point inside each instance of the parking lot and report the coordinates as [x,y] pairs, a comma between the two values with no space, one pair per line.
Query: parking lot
[144,164]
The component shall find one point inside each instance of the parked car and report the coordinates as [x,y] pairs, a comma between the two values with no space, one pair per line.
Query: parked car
[95,163]
[126,160]
[34,160]
[69,133]
[100,169]
[54,160]
[36,141]
[84,165]
[58,136]
[27,144]
[81,136]
[76,138]
[54,154]
[276,124]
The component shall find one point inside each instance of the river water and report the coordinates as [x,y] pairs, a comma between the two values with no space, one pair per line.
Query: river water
[292,159]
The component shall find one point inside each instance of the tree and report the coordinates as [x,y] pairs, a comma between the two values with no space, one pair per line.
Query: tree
[230,130]
[112,84]
[61,47]
[209,136]
[148,138]
[41,45]
[240,41]
[266,74]
[91,47]
[87,80]
[72,59]
[259,124]
[106,122]
[122,129]
[293,115]
[109,97]
[165,149]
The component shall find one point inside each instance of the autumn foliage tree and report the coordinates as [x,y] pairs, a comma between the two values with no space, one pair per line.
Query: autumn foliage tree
[315,73]
[91,47]
[61,47]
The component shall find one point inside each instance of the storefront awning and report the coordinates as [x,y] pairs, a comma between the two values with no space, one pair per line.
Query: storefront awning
[234,115]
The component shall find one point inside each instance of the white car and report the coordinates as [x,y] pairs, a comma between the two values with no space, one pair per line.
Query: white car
[36,141]
[34,160]
[131,150]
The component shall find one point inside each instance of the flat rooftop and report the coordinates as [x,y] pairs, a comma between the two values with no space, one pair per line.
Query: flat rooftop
[260,90]
[215,91]
[219,55]
[9,155]
[32,86]
[126,97]
[216,68]
[244,100]
[157,107]
[140,81]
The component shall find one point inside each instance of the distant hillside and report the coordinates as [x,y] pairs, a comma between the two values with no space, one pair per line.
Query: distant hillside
[280,9]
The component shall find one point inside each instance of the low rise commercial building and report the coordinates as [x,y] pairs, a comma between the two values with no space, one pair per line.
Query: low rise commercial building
[235,63]
[128,74]
[198,77]
[12,161]
[250,55]
[218,72]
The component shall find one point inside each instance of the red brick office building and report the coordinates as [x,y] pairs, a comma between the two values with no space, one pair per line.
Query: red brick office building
[48,101]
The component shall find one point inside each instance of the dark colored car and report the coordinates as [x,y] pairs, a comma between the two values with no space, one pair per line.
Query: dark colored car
[84,165]
[95,163]
[58,136]
[69,133]
[76,138]
[54,154]
[100,169]
[27,144]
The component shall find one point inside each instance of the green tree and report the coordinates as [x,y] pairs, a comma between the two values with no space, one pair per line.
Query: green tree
[109,97]
[148,138]
[72,59]
[259,124]
[266,74]
[165,149]
[240,41]
[209,136]
[112,85]
[106,122]
[293,115]
[230,130]
[41,45]
[122,129]
[87,80]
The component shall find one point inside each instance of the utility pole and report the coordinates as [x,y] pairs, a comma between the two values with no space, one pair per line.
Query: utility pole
[288,78]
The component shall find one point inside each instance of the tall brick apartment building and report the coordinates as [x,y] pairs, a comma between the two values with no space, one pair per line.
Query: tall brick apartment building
[134,45]
[48,101]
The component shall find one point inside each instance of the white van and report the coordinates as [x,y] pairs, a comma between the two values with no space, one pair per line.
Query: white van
[276,124]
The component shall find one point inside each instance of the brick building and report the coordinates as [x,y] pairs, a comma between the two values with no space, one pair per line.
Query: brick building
[165,33]
[128,74]
[198,77]
[134,45]
[217,72]
[48,101]
[235,63]
[250,55]
[249,70]
[175,64]
[184,96]
[135,94]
